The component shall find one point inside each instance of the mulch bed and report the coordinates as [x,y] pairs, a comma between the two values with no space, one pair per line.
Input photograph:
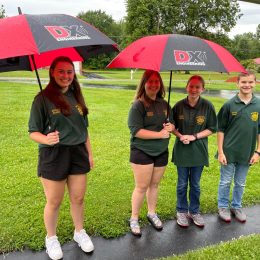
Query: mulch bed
[234,79]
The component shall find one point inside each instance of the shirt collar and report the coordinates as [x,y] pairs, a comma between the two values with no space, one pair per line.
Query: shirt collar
[186,102]
[252,101]
[69,92]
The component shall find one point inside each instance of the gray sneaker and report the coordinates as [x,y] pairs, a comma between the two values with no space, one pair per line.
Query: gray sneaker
[182,219]
[197,219]
[239,215]
[224,214]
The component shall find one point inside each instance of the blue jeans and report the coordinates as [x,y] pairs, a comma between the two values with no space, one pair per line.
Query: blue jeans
[229,172]
[192,176]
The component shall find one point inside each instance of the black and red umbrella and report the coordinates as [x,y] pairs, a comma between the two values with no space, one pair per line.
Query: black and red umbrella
[29,42]
[170,52]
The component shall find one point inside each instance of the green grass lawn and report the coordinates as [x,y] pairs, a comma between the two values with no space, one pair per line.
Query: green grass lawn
[43,73]
[242,248]
[110,184]
[125,74]
[214,80]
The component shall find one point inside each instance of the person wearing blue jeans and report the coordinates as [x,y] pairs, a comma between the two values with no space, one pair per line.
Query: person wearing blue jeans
[229,172]
[237,135]
[186,175]
[194,119]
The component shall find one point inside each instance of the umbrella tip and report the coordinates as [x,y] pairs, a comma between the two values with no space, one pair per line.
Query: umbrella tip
[19,10]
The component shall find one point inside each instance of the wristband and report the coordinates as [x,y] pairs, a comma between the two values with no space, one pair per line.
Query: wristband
[257,153]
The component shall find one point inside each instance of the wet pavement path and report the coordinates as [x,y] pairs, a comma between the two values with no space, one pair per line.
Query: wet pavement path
[171,240]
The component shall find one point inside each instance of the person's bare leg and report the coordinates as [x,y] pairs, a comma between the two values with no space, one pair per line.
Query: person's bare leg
[77,189]
[54,192]
[142,175]
[152,191]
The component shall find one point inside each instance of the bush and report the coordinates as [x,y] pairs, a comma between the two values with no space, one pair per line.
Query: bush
[250,65]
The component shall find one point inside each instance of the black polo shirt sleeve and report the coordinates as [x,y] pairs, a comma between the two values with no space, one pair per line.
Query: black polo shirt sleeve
[223,118]
[212,119]
[38,116]
[176,111]
[136,117]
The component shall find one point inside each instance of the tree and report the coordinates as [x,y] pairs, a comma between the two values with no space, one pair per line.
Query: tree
[102,21]
[192,17]
[199,17]
[245,46]
[108,26]
[2,12]
[147,17]
[258,32]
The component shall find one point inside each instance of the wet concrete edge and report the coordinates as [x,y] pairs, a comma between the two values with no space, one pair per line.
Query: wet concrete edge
[172,240]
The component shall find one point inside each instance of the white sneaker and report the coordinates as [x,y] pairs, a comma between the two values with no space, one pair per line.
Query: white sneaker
[53,248]
[83,241]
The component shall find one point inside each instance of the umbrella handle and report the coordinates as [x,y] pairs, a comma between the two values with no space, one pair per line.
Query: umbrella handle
[167,120]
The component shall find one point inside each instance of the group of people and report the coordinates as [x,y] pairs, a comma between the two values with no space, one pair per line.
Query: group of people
[59,120]
[192,120]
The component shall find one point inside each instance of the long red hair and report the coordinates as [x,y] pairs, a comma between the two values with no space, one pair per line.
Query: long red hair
[54,94]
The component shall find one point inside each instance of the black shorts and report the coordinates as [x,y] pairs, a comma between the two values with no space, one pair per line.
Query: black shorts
[139,157]
[57,162]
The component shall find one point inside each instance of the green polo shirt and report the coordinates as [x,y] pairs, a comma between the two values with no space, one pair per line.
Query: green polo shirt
[150,118]
[240,124]
[190,120]
[72,128]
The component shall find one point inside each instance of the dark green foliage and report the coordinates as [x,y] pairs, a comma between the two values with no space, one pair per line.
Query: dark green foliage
[2,11]
[250,65]
[191,17]
[246,46]
[108,26]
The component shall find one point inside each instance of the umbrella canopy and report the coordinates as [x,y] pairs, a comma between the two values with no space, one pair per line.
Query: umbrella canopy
[170,52]
[176,52]
[45,37]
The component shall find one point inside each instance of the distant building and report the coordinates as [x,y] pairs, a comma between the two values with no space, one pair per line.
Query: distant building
[257,61]
[78,67]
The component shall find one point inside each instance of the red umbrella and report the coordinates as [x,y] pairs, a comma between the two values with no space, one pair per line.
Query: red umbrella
[29,42]
[176,52]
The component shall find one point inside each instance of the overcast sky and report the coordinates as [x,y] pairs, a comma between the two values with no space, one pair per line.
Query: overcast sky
[115,8]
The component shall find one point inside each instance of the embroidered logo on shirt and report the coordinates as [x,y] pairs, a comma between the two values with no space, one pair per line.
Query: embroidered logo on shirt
[233,113]
[55,111]
[149,113]
[181,117]
[79,109]
[254,116]
[200,120]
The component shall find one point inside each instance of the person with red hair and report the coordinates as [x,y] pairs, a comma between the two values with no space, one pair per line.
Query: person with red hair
[58,123]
